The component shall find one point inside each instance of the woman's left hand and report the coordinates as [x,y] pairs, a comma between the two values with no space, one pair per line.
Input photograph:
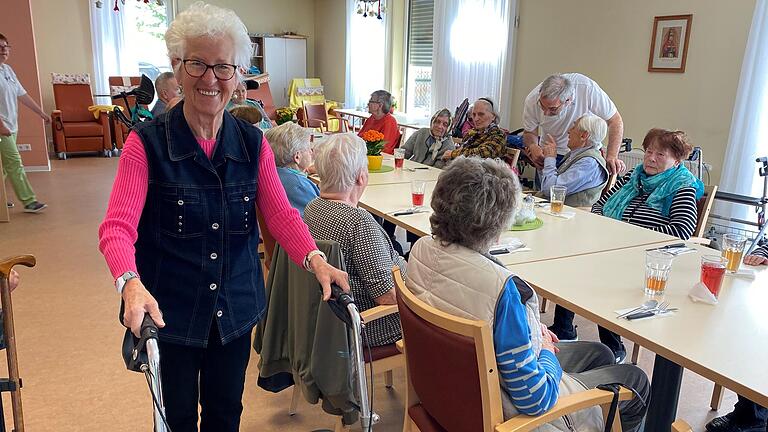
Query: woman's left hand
[327,274]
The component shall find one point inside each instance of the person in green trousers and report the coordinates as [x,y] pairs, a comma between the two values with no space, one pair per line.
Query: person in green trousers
[11,92]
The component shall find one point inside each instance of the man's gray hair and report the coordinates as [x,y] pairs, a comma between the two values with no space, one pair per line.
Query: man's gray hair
[286,140]
[556,86]
[488,102]
[384,97]
[596,126]
[339,160]
[201,19]
[474,201]
[162,79]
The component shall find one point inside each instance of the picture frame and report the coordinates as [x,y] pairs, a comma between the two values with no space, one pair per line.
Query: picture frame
[669,43]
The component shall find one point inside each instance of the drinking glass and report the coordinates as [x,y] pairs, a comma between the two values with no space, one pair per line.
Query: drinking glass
[399,158]
[713,272]
[417,192]
[557,198]
[733,250]
[657,266]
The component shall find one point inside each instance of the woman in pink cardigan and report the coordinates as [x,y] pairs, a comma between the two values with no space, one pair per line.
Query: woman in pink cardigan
[180,235]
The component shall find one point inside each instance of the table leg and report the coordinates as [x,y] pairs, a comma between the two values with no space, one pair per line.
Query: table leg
[665,392]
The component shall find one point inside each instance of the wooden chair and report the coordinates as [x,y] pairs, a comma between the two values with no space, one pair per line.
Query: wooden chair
[11,384]
[432,382]
[316,116]
[681,426]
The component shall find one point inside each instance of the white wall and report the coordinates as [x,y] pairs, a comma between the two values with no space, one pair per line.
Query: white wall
[610,42]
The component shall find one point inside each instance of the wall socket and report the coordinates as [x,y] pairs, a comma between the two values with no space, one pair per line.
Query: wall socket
[24,147]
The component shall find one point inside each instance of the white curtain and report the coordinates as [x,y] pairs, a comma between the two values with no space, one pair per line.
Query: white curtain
[368,56]
[748,138]
[110,55]
[473,53]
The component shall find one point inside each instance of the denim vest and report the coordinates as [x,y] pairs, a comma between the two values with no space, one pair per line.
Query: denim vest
[197,247]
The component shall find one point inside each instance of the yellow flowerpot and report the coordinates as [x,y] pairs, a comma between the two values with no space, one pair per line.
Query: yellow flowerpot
[374,162]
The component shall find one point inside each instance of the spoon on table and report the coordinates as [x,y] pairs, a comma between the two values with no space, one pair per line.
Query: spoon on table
[648,305]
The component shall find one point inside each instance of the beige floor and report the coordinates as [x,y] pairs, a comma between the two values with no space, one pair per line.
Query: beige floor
[69,338]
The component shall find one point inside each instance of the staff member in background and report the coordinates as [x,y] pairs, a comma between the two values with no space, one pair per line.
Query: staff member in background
[180,234]
[11,92]
[382,120]
[552,107]
[168,90]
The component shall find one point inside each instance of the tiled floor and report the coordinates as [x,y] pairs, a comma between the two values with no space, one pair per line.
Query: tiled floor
[69,338]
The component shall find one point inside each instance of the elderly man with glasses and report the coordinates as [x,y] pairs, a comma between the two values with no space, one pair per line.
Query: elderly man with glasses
[552,107]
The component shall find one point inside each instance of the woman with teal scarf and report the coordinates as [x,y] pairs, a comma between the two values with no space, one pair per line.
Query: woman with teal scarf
[660,194]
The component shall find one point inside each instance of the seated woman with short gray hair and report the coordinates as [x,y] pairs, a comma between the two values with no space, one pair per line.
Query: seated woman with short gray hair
[582,171]
[474,201]
[369,257]
[293,157]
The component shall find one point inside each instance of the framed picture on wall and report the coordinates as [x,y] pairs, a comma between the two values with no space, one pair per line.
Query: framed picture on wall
[669,43]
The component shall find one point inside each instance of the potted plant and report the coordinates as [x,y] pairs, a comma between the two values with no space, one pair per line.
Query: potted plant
[284,115]
[374,141]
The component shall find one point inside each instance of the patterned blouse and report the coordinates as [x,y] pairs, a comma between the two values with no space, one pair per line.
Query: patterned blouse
[488,143]
[368,256]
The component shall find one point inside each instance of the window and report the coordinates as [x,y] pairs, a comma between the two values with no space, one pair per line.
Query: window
[418,93]
[145,26]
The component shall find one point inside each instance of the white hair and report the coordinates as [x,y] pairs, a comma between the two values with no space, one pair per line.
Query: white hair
[556,86]
[596,126]
[201,19]
[491,107]
[339,160]
[286,140]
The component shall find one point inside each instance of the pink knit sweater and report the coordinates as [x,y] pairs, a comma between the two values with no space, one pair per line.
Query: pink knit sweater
[118,231]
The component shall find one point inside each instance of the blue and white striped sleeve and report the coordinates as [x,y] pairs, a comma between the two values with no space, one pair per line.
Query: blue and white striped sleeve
[532,383]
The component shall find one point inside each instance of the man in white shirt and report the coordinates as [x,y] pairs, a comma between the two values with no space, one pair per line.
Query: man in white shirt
[552,107]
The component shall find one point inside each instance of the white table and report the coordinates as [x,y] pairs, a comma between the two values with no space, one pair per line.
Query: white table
[585,233]
[724,343]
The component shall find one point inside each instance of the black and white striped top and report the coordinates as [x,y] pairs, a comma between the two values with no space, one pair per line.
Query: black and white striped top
[761,251]
[681,221]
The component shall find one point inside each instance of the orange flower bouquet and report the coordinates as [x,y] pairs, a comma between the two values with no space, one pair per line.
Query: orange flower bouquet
[374,141]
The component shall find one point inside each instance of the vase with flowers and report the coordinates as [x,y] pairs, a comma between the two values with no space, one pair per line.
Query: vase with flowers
[374,141]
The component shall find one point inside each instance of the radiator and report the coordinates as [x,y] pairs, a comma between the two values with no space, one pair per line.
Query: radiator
[634,157]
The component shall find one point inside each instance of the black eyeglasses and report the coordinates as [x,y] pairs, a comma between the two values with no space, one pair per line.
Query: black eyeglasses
[222,71]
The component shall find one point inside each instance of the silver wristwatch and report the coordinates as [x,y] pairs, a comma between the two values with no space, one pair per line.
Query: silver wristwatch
[308,259]
[123,279]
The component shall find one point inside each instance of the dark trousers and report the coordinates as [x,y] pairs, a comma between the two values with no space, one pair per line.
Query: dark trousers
[214,377]
[563,321]
[592,364]
[748,412]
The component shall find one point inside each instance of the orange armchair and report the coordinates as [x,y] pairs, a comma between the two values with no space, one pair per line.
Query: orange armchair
[75,128]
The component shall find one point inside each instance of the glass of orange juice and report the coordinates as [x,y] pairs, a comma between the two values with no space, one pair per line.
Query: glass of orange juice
[657,267]
[733,250]
[557,198]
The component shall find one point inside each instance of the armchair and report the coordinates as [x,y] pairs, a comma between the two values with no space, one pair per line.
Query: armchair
[116,85]
[75,128]
[315,115]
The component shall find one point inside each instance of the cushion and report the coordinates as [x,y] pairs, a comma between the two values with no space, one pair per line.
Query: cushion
[83,129]
[59,78]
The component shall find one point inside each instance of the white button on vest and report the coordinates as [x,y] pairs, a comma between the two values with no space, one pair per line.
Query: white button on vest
[246,198]
[212,286]
[214,256]
[180,202]
[219,314]
[215,226]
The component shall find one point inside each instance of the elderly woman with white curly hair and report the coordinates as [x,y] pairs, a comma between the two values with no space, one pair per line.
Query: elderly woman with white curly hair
[293,157]
[473,202]
[180,235]
[368,252]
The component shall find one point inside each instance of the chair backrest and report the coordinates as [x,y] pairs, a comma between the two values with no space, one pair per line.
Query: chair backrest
[264,94]
[435,379]
[611,181]
[72,94]
[315,115]
[118,84]
[703,207]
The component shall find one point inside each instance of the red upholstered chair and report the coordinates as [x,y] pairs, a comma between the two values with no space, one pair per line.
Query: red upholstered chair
[75,128]
[447,356]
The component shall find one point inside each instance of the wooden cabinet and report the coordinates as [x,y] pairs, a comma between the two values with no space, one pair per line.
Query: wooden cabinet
[284,58]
